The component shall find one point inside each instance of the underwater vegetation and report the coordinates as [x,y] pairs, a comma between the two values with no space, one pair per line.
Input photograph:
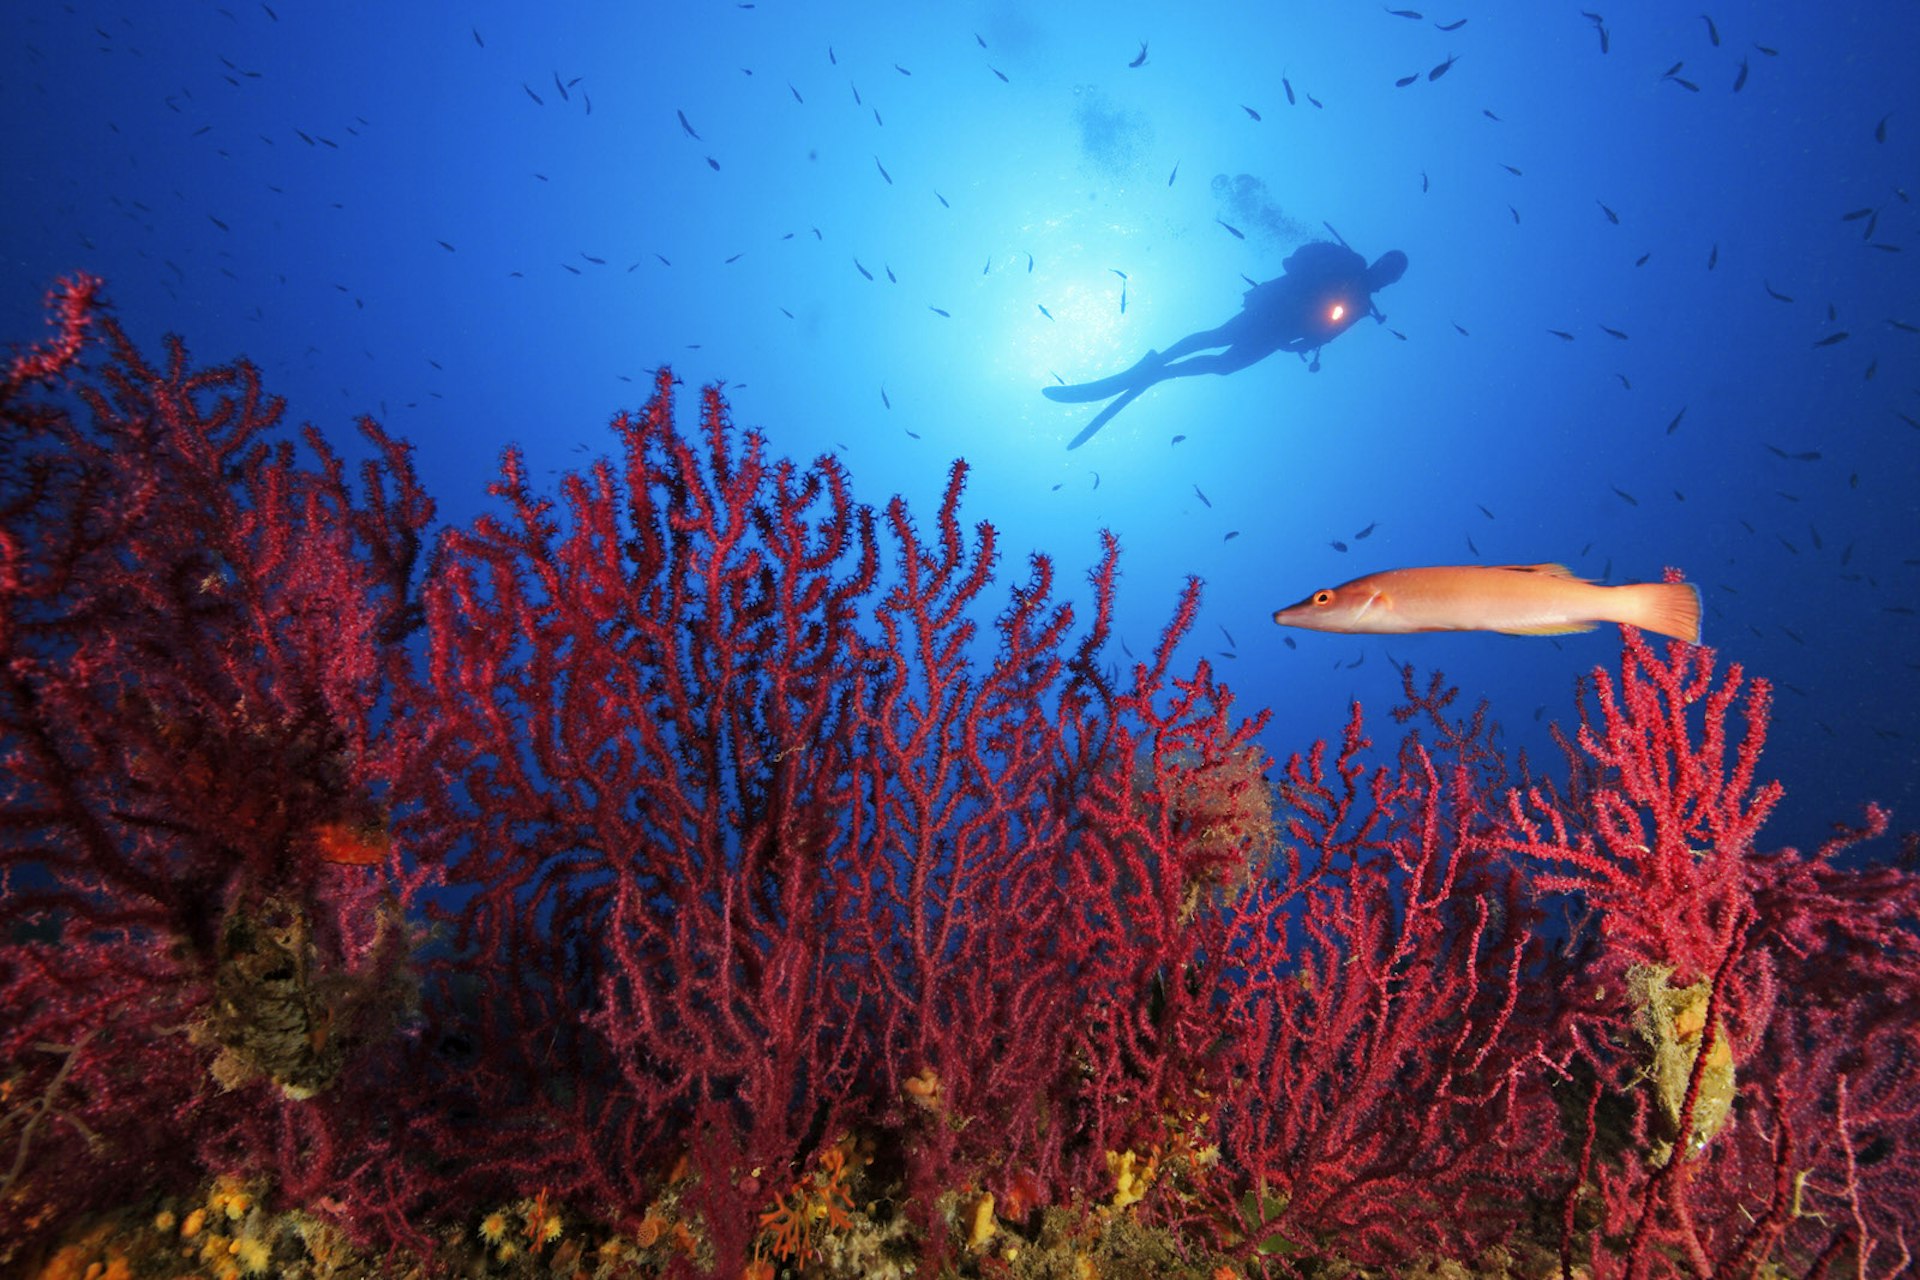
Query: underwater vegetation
[699,872]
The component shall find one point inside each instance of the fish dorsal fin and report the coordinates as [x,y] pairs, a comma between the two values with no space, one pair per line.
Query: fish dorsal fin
[1545,570]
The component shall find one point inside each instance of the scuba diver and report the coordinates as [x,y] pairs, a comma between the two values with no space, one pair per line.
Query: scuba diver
[1325,290]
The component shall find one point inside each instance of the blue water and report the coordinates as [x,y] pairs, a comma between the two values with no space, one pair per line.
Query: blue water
[427,252]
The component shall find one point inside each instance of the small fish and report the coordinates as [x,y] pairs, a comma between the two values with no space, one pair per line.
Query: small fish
[1489,115]
[1029,264]
[1672,71]
[1854,215]
[977,40]
[1516,215]
[1515,172]
[1561,334]
[1713,256]
[1612,217]
[1405,13]
[856,94]
[1904,327]
[1461,328]
[1314,101]
[1177,439]
[1774,293]
[902,70]
[1483,511]
[1366,532]
[883,170]
[1688,85]
[862,270]
[1174,174]
[538,101]
[1228,634]
[1230,535]
[1641,261]
[442,243]
[830,58]
[1713,32]
[1675,424]
[888,403]
[1250,111]
[1141,60]
[941,312]
[1404,81]
[1624,382]
[1839,335]
[942,199]
[1740,77]
[1236,232]
[796,94]
[561,87]
[713,164]
[1613,333]
[1201,496]
[1288,86]
[1880,129]
[1522,600]
[1450,26]
[1338,545]
[1096,479]
[1628,498]
[891,278]
[1043,311]
[683,123]
[1425,186]
[1003,75]
[1443,68]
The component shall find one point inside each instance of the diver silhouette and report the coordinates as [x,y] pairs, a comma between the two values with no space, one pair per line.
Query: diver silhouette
[1325,290]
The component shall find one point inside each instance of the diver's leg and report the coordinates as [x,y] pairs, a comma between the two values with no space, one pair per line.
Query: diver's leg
[1145,371]
[1205,340]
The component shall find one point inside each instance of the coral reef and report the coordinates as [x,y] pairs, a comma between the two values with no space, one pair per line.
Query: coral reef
[701,873]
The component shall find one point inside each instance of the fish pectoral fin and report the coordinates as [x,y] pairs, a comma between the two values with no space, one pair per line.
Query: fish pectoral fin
[1544,570]
[1548,629]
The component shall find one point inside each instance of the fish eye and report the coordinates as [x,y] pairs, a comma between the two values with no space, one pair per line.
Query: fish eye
[1323,596]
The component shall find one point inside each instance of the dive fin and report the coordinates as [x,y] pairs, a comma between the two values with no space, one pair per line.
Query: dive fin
[1085,392]
[1105,416]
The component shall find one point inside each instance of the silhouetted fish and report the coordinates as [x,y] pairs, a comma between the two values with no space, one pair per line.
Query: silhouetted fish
[1140,61]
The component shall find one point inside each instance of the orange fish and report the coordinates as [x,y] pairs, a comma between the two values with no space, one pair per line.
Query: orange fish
[1516,599]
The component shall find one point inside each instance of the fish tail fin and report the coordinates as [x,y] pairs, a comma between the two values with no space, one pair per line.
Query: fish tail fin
[1665,608]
